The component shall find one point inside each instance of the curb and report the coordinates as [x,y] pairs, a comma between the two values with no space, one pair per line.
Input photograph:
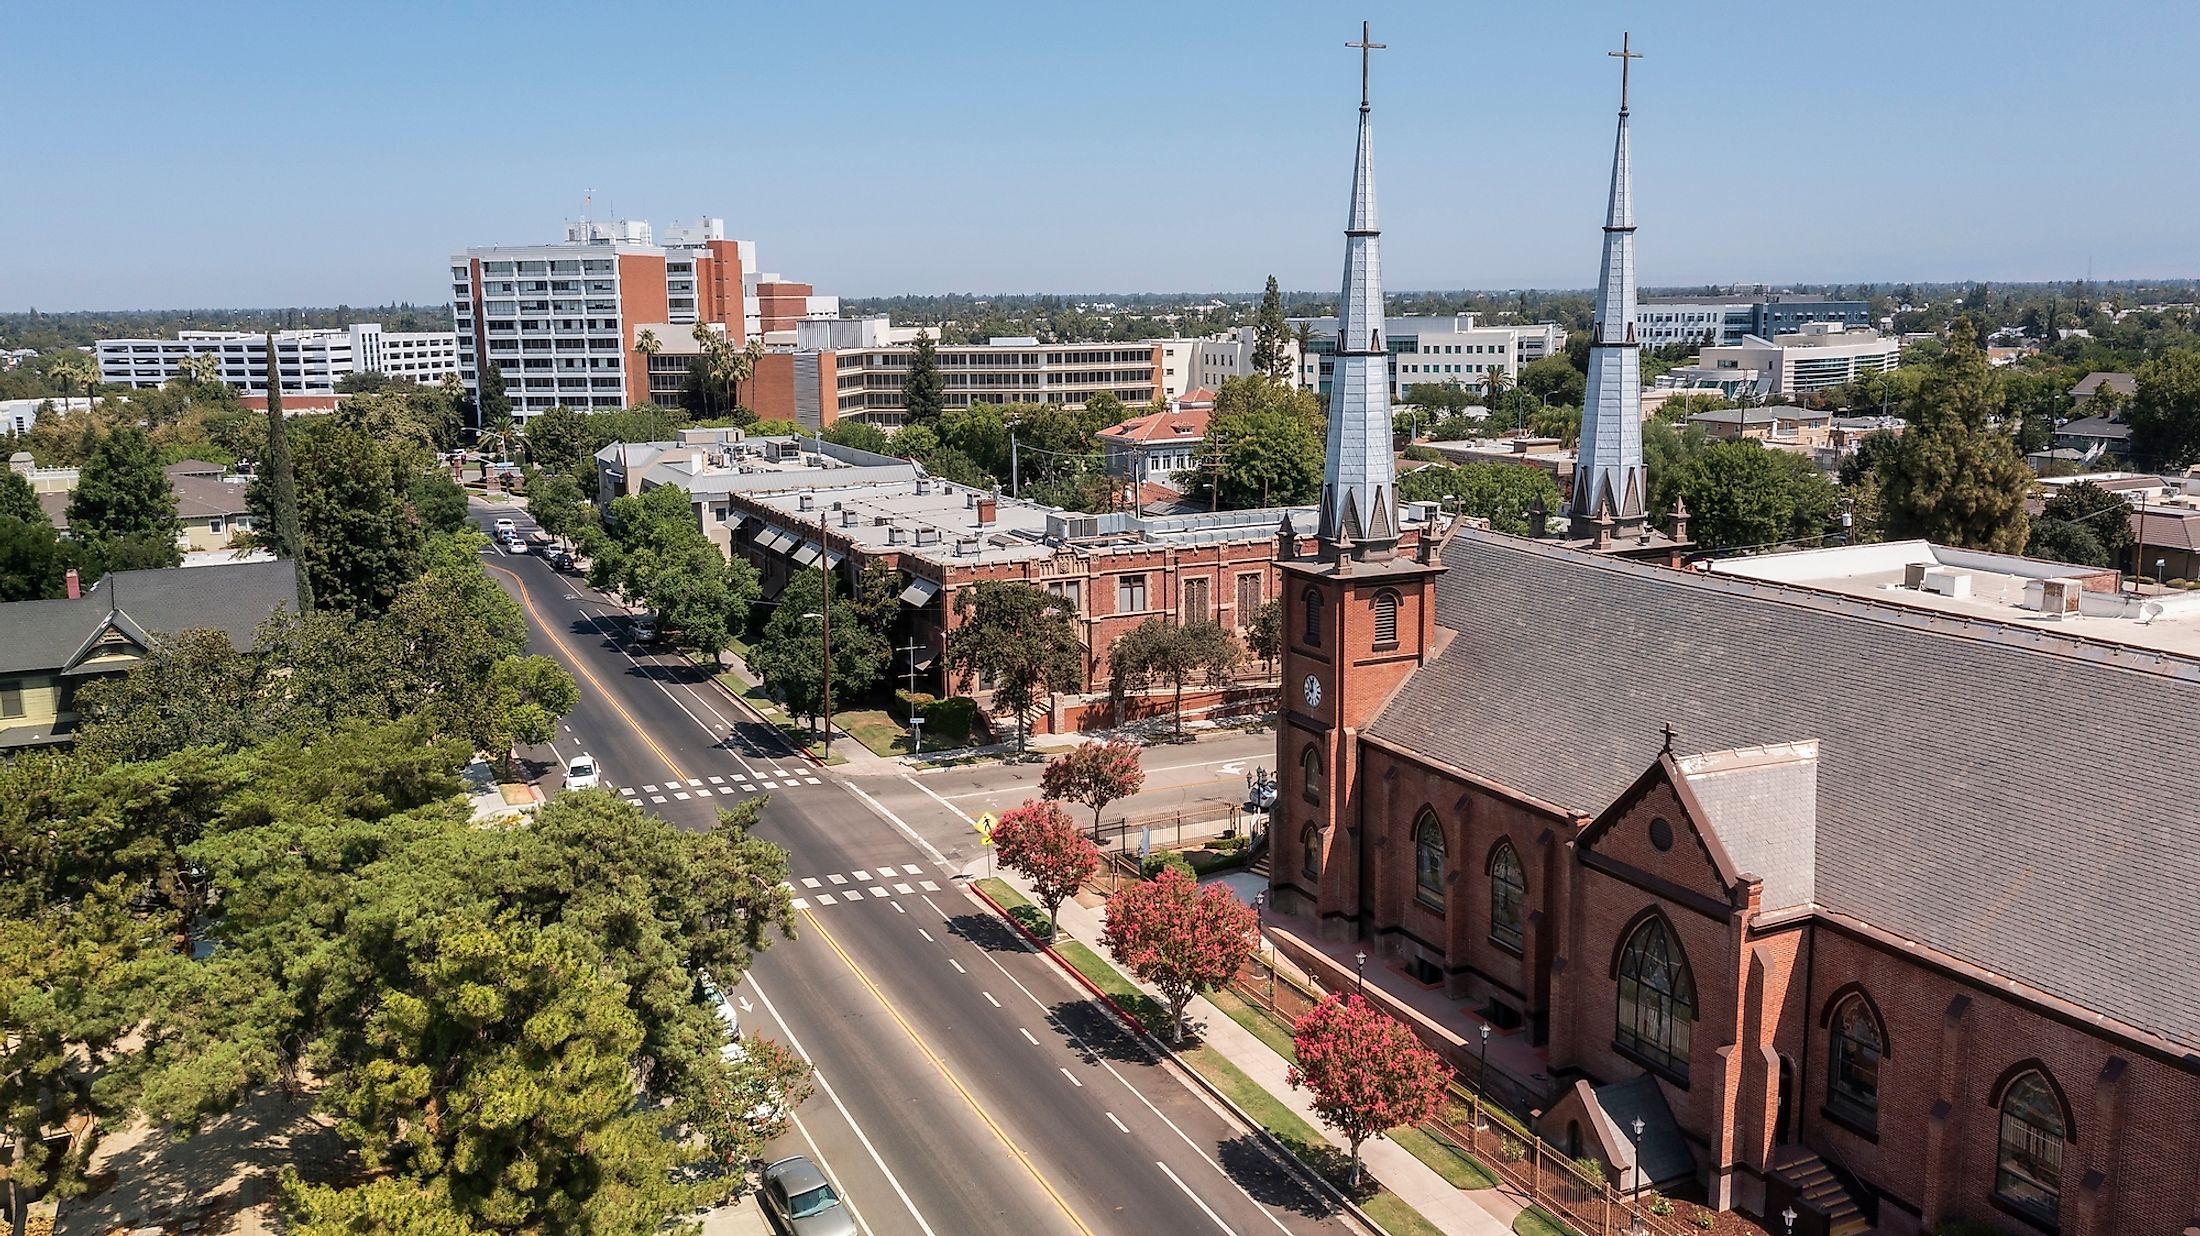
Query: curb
[1269,1140]
[759,718]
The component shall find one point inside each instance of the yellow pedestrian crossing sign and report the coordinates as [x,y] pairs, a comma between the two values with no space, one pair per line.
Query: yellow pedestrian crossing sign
[984,825]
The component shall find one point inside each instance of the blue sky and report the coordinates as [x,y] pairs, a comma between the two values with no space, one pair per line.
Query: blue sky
[164,155]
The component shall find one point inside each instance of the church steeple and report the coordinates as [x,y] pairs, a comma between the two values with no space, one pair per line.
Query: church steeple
[1359,512]
[1608,477]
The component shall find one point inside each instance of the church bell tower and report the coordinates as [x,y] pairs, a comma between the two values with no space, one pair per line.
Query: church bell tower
[1357,617]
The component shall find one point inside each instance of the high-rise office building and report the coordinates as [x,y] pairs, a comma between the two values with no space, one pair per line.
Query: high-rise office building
[564,323]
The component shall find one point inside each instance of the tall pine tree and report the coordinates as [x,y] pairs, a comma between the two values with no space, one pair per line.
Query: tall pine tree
[924,391]
[1956,477]
[282,485]
[1269,333]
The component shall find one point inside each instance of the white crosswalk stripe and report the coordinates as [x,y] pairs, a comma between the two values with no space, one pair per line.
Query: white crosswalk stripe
[903,888]
[911,869]
[811,781]
[856,886]
[682,796]
[717,780]
[824,899]
[809,881]
[703,793]
[801,903]
[656,798]
[928,886]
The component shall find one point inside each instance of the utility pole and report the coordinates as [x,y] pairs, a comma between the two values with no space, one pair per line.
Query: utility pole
[912,648]
[825,608]
[1015,469]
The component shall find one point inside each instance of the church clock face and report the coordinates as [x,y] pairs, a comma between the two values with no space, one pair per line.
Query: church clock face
[1312,688]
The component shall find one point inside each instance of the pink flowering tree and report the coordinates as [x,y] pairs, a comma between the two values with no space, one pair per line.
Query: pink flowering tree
[1367,1072]
[1041,843]
[1182,940]
[1093,775]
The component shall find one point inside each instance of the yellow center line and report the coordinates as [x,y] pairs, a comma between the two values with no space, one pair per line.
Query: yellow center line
[941,1066]
[526,599]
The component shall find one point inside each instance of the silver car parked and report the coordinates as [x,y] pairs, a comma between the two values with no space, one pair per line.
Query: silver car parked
[798,1196]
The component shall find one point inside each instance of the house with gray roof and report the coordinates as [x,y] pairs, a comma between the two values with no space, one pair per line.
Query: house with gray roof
[49,648]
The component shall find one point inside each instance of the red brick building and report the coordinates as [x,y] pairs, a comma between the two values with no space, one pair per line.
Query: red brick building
[1869,902]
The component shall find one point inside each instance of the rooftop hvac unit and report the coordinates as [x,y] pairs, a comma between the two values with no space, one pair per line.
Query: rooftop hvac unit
[924,486]
[802,502]
[2061,596]
[847,519]
[928,536]
[966,546]
[1947,583]
[895,536]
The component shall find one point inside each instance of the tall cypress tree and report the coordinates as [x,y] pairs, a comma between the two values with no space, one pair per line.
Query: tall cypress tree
[1269,332]
[494,406]
[283,484]
[924,391]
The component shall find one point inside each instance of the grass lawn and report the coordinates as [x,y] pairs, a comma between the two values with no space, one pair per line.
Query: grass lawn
[1453,1164]
[876,729]
[1448,1160]
[1019,907]
[1536,1222]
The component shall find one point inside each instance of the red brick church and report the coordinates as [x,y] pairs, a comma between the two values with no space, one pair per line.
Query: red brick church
[1821,884]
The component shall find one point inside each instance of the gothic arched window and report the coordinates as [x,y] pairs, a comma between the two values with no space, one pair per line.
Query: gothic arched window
[1311,840]
[1852,1069]
[1311,780]
[1657,999]
[1508,896]
[1428,860]
[1313,602]
[1386,618]
[2028,1169]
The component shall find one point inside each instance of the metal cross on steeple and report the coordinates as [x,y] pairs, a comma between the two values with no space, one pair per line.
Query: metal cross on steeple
[1624,55]
[1365,47]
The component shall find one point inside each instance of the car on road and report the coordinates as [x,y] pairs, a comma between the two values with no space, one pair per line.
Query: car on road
[506,529]
[582,773]
[799,1197]
[561,559]
[644,629]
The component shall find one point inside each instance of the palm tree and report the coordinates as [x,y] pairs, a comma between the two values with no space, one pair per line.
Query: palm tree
[200,369]
[649,346]
[1494,383]
[75,370]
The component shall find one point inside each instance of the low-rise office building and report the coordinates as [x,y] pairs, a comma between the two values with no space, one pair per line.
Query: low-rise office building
[790,505]
[50,648]
[308,362]
[856,368]
[1159,445]
[1209,361]
[1820,356]
[1663,321]
[1432,351]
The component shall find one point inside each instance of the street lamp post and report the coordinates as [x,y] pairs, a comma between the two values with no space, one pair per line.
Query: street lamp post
[825,603]
[1482,1079]
[1789,1216]
[1360,958]
[1635,1197]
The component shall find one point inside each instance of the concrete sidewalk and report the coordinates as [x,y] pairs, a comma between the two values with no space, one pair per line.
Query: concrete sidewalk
[1481,1212]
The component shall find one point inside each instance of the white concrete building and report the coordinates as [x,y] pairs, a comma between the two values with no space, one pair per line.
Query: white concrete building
[1189,364]
[311,362]
[1435,350]
[1821,355]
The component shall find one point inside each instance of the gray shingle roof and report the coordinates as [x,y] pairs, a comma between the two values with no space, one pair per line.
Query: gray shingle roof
[231,597]
[1977,787]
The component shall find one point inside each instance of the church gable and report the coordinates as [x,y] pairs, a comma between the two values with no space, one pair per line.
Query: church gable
[1657,835]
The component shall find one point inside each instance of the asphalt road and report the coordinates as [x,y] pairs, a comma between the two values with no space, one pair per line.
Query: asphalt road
[965,1085]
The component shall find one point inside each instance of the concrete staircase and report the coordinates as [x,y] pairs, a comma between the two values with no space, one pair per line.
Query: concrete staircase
[1259,865]
[1818,1192]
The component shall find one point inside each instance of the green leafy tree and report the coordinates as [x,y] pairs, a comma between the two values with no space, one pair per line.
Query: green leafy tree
[1160,651]
[1264,444]
[123,496]
[557,442]
[1501,493]
[558,504]
[526,697]
[1270,331]
[1741,494]
[2165,411]
[924,391]
[652,550]
[33,560]
[860,435]
[1956,477]
[1019,637]
[790,654]
[1556,381]
[2085,524]
[278,524]
[361,540]
[1103,410]
[1264,634]
[17,499]
[437,502]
